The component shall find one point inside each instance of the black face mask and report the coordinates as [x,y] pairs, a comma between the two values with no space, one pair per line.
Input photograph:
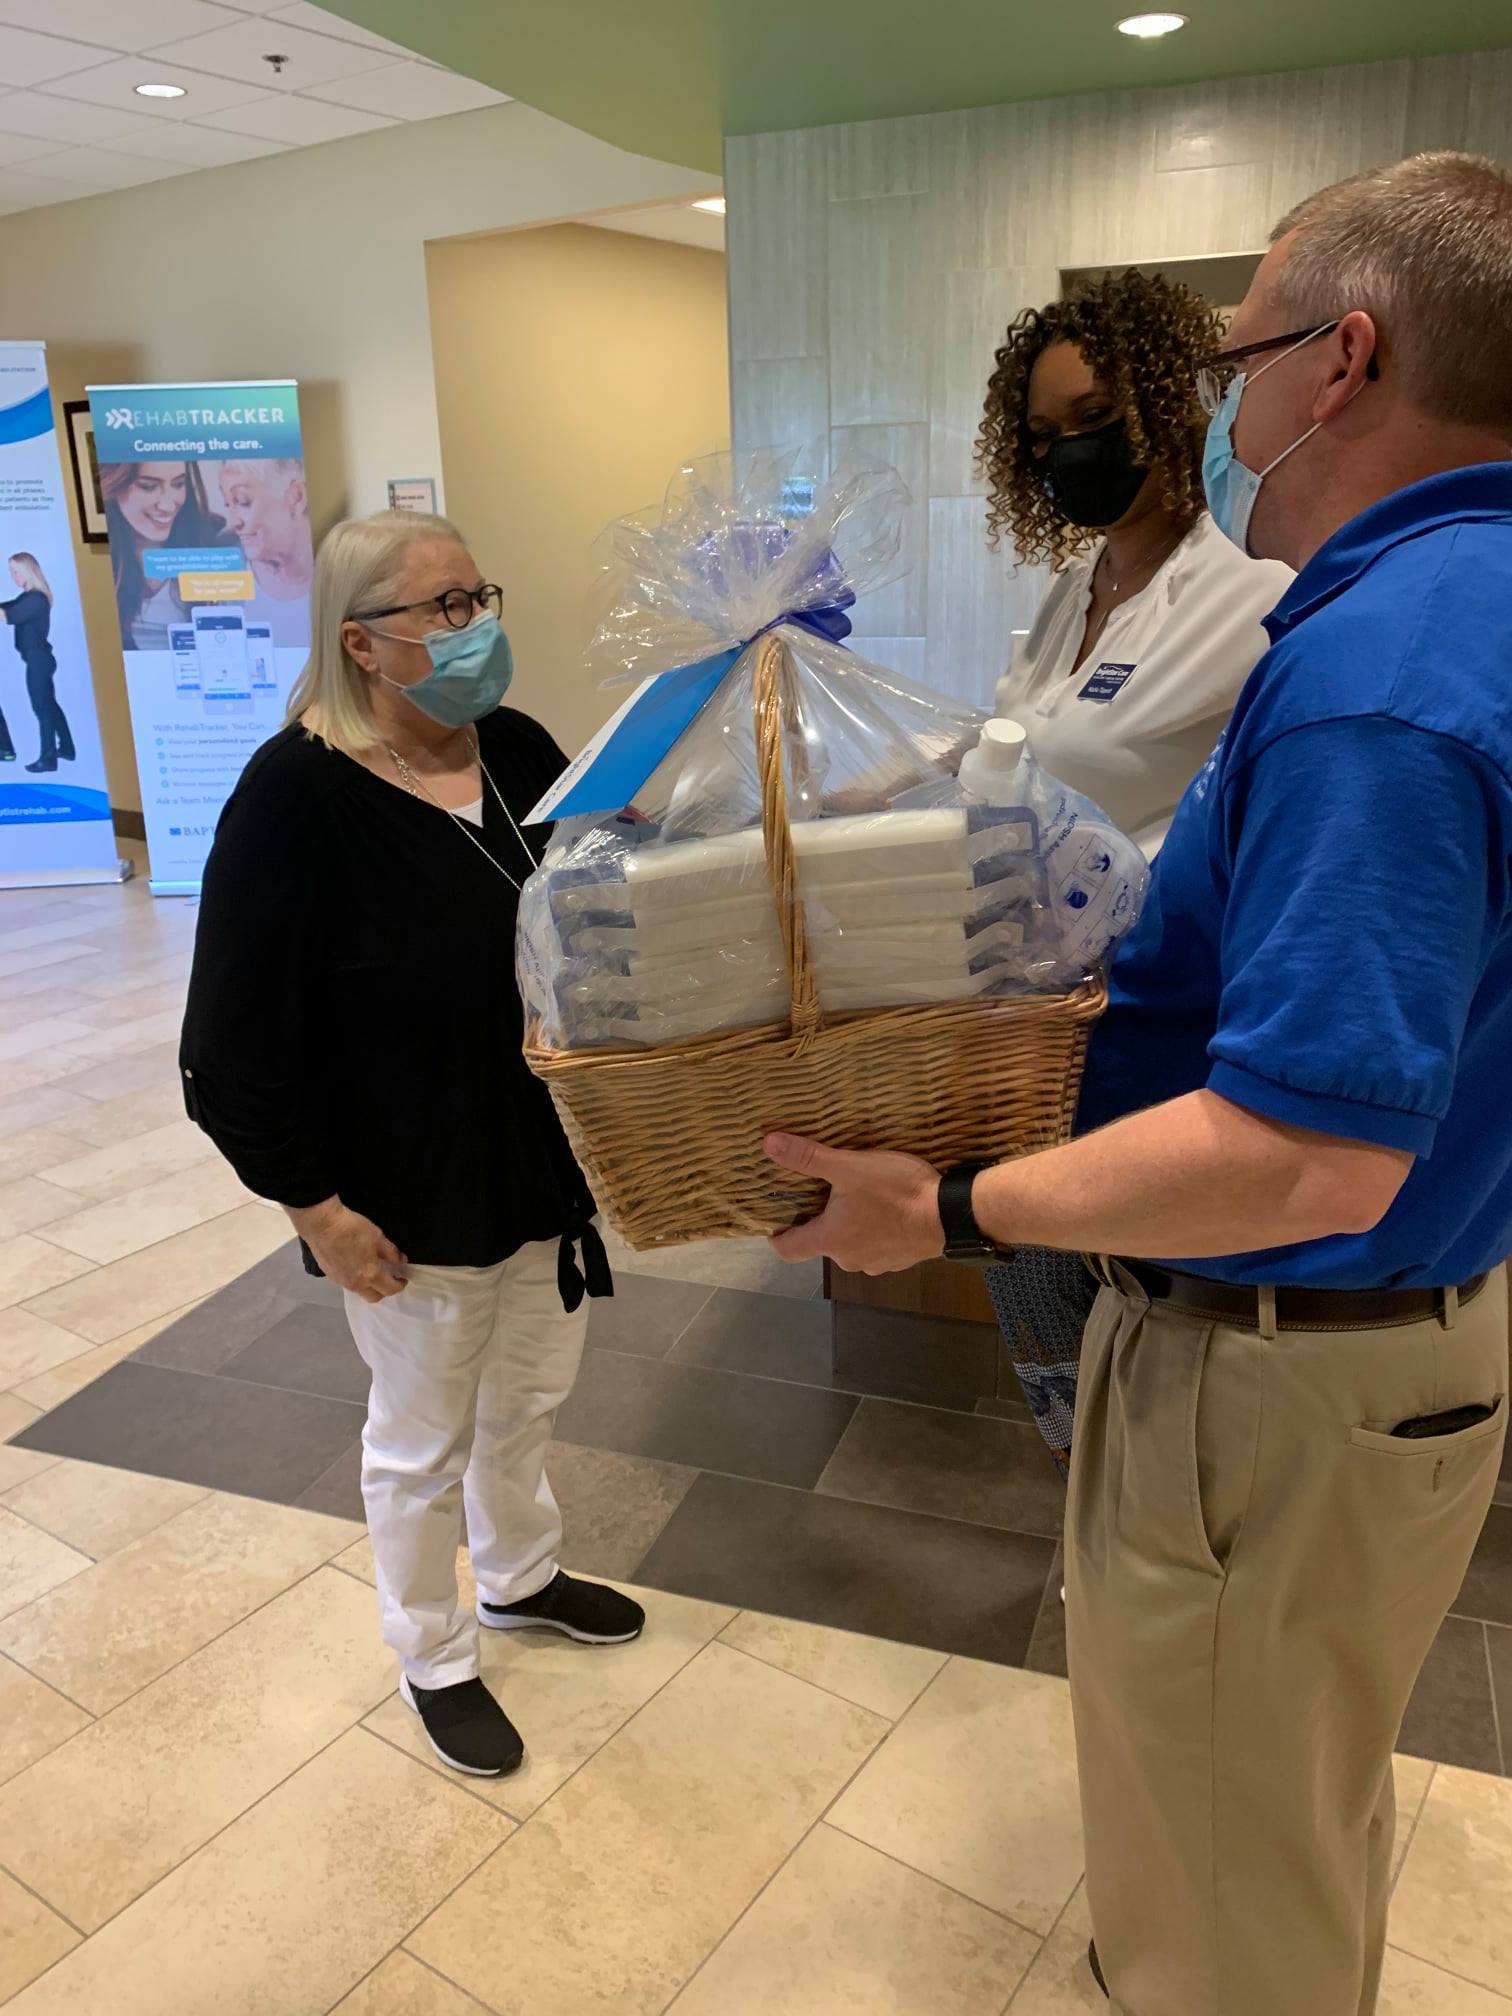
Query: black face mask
[1092,479]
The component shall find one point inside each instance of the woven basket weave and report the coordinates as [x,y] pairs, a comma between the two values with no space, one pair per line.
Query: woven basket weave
[670,1139]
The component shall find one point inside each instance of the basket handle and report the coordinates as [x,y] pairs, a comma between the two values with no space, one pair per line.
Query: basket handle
[773,670]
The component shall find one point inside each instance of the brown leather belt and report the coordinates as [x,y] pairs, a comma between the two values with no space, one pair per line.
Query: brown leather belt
[1299,1308]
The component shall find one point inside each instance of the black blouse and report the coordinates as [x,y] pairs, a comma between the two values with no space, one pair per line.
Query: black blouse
[30,615]
[353,1026]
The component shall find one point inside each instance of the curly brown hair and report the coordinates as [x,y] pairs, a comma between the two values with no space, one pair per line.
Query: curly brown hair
[1145,337]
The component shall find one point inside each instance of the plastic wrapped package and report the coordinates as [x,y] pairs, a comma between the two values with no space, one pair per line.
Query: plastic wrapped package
[627,938]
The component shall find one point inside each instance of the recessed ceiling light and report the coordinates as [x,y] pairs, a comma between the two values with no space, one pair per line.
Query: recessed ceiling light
[715,205]
[160,91]
[1149,27]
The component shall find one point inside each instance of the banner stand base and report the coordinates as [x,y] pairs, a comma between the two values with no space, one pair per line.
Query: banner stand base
[66,878]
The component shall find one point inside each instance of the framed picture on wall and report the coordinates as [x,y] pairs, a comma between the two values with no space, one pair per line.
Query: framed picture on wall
[86,472]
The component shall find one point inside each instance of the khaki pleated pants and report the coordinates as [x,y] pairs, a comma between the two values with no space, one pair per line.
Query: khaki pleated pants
[1255,1573]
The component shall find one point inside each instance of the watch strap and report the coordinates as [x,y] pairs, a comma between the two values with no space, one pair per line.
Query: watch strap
[964,1237]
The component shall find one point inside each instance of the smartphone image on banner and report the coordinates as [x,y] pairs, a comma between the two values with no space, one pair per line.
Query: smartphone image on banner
[260,666]
[186,670]
[220,636]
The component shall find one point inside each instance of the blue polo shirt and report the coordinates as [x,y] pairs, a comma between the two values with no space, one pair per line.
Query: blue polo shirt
[1327,938]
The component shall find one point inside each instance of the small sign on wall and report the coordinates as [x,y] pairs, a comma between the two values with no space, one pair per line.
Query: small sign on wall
[412,493]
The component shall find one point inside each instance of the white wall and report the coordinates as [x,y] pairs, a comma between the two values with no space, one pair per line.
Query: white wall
[309,265]
[873,269]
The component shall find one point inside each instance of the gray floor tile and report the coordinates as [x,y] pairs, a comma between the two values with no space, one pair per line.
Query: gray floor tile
[1005,1410]
[707,1420]
[237,1314]
[310,1350]
[1451,1717]
[645,1316]
[338,1490]
[220,1433]
[1487,1590]
[966,1589]
[613,1507]
[957,1466]
[769,1335]
[1499,1644]
[939,1361]
[720,1263]
[1047,1648]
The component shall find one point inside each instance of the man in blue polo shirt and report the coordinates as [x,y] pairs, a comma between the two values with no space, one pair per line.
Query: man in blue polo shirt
[1298,1115]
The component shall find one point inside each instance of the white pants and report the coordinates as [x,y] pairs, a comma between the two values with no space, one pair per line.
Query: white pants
[469,1367]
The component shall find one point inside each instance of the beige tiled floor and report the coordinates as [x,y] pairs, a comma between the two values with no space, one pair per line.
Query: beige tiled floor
[213,1804]
[735,1816]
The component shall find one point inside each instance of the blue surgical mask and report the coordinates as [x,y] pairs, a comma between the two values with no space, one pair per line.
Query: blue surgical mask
[470,672]
[1230,485]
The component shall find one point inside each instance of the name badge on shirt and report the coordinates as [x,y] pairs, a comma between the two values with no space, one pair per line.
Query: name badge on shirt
[1105,682]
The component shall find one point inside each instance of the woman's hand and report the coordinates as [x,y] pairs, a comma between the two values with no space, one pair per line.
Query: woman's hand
[351,1250]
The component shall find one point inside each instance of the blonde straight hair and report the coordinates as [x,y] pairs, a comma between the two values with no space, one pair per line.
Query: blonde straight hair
[31,567]
[358,567]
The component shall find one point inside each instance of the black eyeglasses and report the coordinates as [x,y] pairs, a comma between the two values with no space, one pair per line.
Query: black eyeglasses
[457,605]
[1215,377]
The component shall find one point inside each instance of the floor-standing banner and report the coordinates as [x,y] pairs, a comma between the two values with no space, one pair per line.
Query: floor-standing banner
[54,808]
[204,491]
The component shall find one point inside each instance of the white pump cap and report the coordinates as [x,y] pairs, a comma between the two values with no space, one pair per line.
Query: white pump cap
[1001,745]
[992,763]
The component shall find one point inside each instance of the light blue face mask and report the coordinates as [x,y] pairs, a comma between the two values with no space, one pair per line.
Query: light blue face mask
[470,672]
[1230,485]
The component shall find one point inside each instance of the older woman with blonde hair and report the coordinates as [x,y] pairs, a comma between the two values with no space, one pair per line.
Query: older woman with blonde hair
[352,1044]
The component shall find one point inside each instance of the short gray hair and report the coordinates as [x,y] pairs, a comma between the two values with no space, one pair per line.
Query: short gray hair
[1424,248]
[359,566]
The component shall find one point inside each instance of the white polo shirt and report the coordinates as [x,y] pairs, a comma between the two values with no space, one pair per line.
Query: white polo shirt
[1137,720]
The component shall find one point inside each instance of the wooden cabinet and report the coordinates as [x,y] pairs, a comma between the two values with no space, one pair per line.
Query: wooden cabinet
[937,1288]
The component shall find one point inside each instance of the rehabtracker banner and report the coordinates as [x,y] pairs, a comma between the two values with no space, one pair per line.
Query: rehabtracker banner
[54,809]
[205,501]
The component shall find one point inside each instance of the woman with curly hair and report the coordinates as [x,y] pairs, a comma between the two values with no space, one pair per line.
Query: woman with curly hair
[1091,445]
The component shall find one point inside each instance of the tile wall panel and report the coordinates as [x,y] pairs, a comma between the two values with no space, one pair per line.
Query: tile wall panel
[781,402]
[973,311]
[898,609]
[881,304]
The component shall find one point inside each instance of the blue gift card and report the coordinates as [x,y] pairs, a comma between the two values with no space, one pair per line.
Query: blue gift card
[606,775]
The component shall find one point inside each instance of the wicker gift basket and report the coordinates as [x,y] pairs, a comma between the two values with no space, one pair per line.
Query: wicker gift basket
[670,1137]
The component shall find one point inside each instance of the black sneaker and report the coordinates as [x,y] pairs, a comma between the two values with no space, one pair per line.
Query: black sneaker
[466,1727]
[586,1611]
[1096,1966]
[42,763]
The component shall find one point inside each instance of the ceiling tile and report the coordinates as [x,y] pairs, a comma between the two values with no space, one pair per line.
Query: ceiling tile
[45,117]
[115,84]
[98,168]
[412,91]
[241,50]
[27,58]
[320,22]
[196,146]
[20,189]
[16,147]
[298,122]
[117,24]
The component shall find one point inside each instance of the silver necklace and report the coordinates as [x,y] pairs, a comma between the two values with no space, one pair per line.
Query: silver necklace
[417,788]
[1144,566]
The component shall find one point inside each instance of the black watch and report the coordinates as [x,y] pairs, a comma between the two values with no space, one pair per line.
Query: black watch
[964,1238]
